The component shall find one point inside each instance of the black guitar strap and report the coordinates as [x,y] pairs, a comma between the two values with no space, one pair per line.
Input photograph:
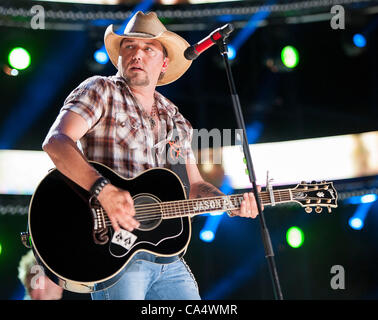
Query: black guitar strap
[173,151]
[174,162]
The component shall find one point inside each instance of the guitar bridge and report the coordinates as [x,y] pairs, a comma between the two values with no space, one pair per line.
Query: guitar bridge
[100,229]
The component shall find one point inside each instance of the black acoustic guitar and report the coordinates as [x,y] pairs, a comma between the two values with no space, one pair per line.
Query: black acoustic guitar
[73,240]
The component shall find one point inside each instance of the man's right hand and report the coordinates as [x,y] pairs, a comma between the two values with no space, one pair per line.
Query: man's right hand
[119,206]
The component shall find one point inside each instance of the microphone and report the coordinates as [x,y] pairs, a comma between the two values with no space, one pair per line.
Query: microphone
[195,50]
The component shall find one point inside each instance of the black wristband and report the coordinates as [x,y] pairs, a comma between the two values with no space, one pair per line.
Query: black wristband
[97,187]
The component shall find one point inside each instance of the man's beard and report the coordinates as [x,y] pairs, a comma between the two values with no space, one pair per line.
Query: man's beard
[137,80]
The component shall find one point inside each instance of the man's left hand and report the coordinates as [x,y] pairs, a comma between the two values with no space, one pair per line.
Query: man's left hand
[248,207]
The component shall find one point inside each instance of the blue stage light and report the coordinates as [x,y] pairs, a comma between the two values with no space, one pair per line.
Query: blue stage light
[359,40]
[207,235]
[216,213]
[356,223]
[368,198]
[101,56]
[231,52]
[209,230]
[254,131]
[251,26]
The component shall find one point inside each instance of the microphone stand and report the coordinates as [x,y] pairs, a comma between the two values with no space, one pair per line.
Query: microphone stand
[269,254]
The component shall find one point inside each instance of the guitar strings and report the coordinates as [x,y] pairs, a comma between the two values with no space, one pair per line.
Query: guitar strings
[153,214]
[262,194]
[169,208]
[157,214]
[265,197]
[180,204]
[153,211]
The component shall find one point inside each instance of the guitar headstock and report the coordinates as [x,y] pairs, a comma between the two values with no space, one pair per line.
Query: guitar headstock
[314,194]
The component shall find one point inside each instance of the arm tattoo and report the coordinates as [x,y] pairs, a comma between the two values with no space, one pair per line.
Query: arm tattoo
[203,190]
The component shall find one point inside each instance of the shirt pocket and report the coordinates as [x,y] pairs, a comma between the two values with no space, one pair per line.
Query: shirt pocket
[128,130]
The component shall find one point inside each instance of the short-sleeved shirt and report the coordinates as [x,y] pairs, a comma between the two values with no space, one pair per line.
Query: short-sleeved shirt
[119,136]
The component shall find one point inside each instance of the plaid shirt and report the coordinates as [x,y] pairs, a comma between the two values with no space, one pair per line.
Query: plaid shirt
[119,136]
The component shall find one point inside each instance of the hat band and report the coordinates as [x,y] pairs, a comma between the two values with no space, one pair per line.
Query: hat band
[139,35]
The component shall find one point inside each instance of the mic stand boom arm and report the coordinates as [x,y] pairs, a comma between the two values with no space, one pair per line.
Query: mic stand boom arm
[269,254]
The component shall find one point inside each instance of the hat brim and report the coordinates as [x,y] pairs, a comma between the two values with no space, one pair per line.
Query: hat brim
[173,43]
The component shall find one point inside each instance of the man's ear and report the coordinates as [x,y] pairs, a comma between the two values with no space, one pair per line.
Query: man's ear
[165,64]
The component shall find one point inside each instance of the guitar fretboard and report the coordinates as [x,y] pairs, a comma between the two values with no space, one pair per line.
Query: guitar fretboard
[192,207]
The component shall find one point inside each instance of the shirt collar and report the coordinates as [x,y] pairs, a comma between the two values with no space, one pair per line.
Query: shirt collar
[119,80]
[163,105]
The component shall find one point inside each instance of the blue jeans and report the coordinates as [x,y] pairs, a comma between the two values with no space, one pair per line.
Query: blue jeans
[144,278]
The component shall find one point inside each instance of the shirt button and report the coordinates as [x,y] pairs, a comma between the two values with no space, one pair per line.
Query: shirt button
[123,123]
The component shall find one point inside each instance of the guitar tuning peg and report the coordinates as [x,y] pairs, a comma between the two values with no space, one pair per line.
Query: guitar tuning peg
[318,209]
[329,209]
[308,209]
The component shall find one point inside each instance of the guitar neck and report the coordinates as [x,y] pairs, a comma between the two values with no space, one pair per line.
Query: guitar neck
[193,207]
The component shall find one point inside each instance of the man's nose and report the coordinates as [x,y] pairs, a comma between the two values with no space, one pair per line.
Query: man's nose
[136,59]
[138,53]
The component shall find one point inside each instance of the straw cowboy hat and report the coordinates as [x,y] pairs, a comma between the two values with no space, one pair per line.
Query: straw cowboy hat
[148,26]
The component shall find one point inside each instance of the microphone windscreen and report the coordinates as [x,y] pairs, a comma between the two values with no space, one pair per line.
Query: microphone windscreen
[190,53]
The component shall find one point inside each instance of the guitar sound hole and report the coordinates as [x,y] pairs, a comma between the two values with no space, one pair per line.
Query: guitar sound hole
[148,211]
